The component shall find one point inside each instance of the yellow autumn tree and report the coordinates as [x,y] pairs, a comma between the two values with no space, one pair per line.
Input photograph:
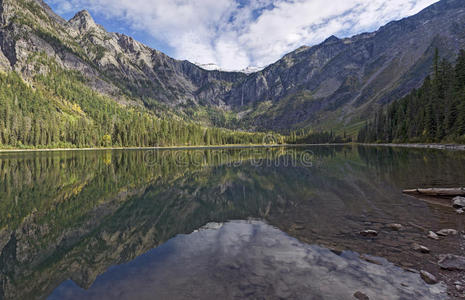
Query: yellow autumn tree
[106,140]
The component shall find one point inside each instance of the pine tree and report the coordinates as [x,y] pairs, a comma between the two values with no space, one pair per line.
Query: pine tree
[433,113]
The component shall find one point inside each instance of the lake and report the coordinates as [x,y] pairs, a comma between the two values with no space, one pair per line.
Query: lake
[277,223]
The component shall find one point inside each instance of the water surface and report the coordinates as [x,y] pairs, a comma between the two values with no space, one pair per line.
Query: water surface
[126,223]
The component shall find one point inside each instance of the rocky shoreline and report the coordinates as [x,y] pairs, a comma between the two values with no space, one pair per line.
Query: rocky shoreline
[432,250]
[450,268]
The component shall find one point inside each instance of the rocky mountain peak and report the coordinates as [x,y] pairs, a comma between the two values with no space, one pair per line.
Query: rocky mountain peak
[83,22]
[331,39]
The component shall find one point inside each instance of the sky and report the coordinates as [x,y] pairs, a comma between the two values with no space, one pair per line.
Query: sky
[235,34]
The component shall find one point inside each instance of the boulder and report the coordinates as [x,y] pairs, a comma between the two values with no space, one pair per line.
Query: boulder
[452,262]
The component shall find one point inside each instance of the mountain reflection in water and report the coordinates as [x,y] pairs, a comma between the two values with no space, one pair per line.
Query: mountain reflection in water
[71,216]
[249,260]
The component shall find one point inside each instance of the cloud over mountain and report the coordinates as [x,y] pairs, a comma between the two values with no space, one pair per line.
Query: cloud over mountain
[237,33]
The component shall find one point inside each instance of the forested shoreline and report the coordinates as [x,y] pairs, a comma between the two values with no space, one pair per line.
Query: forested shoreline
[317,137]
[435,113]
[58,110]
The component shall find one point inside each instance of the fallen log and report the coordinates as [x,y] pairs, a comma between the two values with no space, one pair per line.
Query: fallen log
[441,192]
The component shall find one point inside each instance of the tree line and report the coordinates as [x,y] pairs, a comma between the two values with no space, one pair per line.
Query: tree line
[433,113]
[308,136]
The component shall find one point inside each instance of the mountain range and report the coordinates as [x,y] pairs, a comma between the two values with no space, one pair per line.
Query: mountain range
[336,84]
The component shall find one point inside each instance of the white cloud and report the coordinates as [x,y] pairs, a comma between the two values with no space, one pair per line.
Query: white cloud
[62,6]
[237,33]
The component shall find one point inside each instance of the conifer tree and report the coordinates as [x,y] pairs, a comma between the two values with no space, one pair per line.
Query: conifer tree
[433,113]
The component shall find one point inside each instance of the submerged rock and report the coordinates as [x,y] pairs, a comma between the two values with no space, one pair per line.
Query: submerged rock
[411,270]
[452,262]
[428,277]
[458,202]
[372,259]
[433,235]
[395,227]
[420,248]
[297,227]
[361,296]
[446,232]
[370,233]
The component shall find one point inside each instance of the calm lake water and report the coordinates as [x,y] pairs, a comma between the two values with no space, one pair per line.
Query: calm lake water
[232,224]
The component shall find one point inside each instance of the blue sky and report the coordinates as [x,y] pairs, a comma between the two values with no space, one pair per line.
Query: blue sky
[235,34]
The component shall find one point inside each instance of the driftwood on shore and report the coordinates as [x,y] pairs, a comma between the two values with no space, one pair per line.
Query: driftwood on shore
[441,192]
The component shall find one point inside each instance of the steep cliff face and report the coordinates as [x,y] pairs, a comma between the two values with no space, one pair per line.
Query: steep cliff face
[115,64]
[346,78]
[336,83]
[145,72]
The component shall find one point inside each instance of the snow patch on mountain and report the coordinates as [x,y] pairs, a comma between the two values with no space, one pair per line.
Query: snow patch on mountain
[215,67]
